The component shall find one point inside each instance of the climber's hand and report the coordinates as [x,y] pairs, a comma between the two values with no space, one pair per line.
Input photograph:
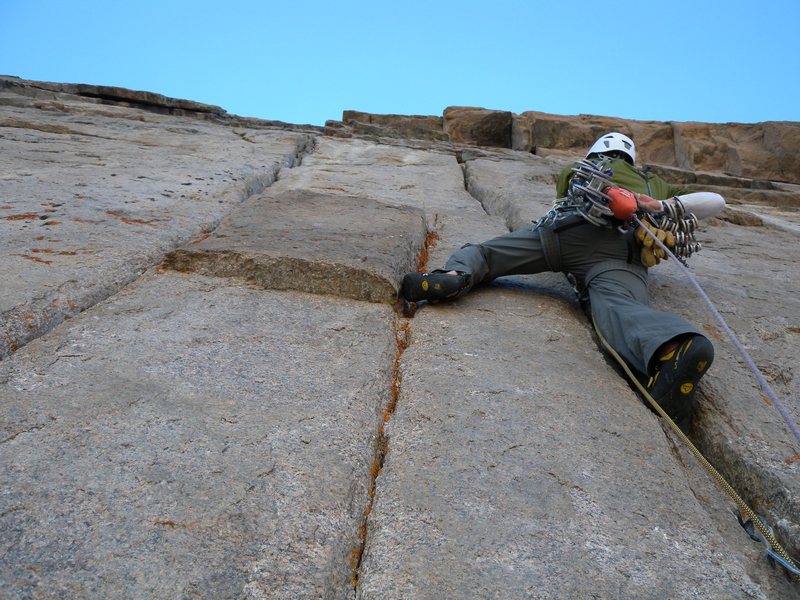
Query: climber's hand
[652,253]
[646,203]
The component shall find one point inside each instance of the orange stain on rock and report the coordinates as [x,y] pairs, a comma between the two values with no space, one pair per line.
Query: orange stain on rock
[36,259]
[431,238]
[21,217]
[136,221]
[711,331]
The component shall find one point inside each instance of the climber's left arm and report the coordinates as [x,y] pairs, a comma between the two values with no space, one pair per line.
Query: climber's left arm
[702,204]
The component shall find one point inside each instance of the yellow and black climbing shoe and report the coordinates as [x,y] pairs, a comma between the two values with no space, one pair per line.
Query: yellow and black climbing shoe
[433,287]
[674,382]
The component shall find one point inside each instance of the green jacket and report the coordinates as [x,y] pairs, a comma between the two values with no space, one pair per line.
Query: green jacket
[628,177]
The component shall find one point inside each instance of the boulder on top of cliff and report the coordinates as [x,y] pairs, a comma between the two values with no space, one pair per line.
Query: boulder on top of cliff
[421,127]
[478,126]
[573,135]
[769,150]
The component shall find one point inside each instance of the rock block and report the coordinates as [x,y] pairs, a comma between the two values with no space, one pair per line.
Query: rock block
[516,457]
[409,126]
[319,243]
[478,126]
[192,438]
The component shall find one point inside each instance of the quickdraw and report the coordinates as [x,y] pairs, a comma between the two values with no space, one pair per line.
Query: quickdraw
[770,554]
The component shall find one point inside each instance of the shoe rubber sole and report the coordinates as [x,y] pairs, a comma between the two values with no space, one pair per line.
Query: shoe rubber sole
[432,287]
[674,383]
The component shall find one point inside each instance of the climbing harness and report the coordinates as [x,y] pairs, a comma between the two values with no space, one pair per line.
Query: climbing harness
[752,523]
[589,196]
[586,201]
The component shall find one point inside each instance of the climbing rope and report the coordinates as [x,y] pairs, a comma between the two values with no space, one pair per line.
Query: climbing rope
[747,514]
[753,524]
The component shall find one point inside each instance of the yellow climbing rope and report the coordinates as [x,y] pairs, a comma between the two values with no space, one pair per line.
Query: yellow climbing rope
[744,510]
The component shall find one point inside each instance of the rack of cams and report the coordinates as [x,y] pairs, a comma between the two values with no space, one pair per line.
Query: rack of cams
[673,225]
[586,190]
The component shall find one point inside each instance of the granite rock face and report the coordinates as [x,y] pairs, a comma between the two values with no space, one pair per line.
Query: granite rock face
[94,194]
[207,392]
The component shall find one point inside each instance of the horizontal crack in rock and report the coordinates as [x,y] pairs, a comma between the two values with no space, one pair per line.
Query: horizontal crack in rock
[285,273]
[30,429]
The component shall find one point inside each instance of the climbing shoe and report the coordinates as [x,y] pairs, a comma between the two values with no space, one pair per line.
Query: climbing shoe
[433,287]
[674,382]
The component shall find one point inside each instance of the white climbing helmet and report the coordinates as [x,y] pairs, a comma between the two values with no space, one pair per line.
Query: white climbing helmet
[614,141]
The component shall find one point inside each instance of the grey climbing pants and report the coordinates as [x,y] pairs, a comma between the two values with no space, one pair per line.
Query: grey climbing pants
[602,262]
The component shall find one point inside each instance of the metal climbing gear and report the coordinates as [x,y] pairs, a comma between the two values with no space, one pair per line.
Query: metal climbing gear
[771,555]
[586,196]
[586,190]
[682,225]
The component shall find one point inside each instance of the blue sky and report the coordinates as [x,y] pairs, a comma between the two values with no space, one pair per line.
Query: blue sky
[305,62]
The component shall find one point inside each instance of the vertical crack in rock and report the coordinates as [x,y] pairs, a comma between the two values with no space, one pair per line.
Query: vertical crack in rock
[468,187]
[431,239]
[402,333]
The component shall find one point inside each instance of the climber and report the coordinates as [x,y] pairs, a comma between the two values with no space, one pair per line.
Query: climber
[588,236]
